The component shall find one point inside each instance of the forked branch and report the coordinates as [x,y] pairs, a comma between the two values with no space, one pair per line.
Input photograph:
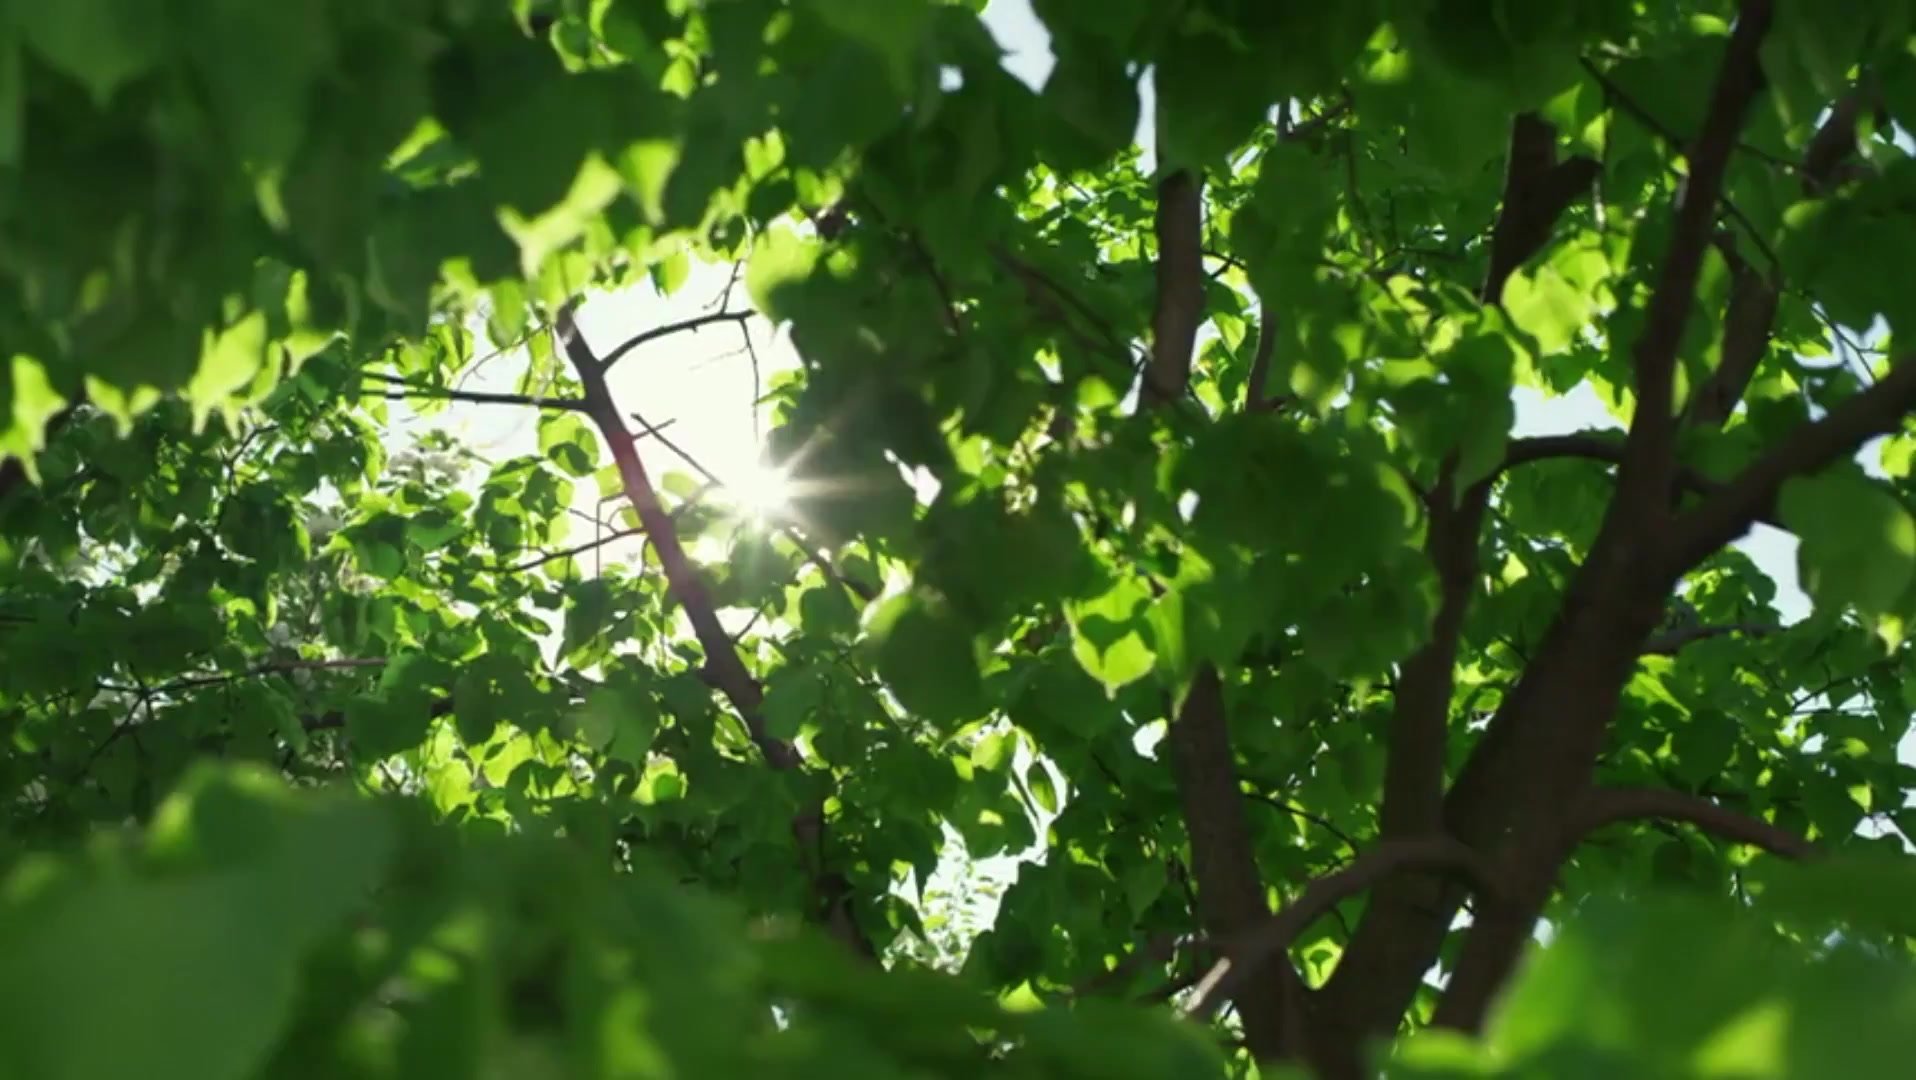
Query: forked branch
[1537,190]
[1751,495]
[1440,853]
[1650,459]
[696,322]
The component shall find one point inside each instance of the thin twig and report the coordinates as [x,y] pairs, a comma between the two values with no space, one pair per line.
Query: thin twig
[1673,641]
[409,390]
[567,553]
[694,323]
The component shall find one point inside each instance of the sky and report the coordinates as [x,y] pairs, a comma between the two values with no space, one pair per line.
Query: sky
[706,386]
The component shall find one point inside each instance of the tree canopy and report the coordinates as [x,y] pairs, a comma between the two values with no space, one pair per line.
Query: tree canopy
[1156,522]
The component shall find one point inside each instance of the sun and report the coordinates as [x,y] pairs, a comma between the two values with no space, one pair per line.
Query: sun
[762,490]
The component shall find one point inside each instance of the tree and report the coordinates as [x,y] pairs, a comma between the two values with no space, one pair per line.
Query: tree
[1153,510]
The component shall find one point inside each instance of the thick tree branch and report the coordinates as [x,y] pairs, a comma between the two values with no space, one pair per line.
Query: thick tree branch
[1603,807]
[1598,446]
[1751,495]
[1180,287]
[1384,962]
[1230,887]
[738,685]
[1650,450]
[1251,950]
[1537,190]
[1420,717]
[1542,746]
[722,666]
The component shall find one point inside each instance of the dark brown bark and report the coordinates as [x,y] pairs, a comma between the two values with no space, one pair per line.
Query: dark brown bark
[1602,807]
[1414,766]
[1513,797]
[1256,384]
[1180,288]
[1671,642]
[1438,854]
[1751,495]
[1834,143]
[1231,896]
[1650,450]
[1537,190]
[1230,890]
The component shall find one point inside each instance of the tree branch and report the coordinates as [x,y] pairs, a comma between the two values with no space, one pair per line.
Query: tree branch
[1596,446]
[694,323]
[791,531]
[1834,143]
[1746,338]
[1256,382]
[1650,450]
[1420,716]
[738,685]
[567,553]
[1672,642]
[1180,287]
[1537,190]
[1160,949]
[1230,887]
[410,390]
[1544,742]
[1439,853]
[722,665]
[1751,495]
[1603,807]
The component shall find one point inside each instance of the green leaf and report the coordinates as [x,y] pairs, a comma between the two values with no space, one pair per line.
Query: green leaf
[492,689]
[195,971]
[781,262]
[1108,634]
[379,545]
[894,30]
[791,694]
[591,610]
[1858,542]
[926,657]
[102,43]
[619,719]
[565,439]
[1095,103]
